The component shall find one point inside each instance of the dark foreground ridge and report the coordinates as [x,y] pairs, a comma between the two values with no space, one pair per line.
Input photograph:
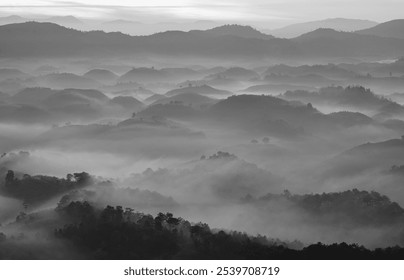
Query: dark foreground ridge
[117,233]
[114,233]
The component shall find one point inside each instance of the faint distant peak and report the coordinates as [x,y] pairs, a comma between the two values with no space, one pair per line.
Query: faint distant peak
[347,20]
[64,20]
[12,17]
[326,33]
[244,31]
[339,24]
[32,24]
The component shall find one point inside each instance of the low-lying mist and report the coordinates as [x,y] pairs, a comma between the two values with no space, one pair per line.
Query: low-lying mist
[298,153]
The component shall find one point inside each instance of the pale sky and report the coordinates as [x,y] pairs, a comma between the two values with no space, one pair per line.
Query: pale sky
[259,11]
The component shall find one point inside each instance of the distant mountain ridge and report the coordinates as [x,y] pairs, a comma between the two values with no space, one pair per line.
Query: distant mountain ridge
[242,31]
[390,29]
[33,39]
[339,24]
[66,21]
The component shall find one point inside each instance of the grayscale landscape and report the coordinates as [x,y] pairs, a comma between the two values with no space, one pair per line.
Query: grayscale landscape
[143,133]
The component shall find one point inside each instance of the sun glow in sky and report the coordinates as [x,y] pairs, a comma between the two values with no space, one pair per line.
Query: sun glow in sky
[280,11]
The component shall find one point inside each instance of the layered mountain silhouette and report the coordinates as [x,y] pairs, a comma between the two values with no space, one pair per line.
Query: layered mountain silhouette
[390,29]
[341,24]
[12,19]
[34,39]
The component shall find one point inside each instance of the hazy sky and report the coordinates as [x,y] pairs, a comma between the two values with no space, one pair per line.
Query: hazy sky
[260,11]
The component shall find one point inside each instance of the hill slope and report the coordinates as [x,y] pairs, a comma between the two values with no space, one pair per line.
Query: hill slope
[390,29]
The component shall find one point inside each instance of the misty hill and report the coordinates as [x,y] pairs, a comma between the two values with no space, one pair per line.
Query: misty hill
[32,95]
[384,147]
[88,93]
[39,188]
[66,80]
[104,194]
[75,104]
[101,75]
[235,30]
[340,24]
[128,102]
[172,110]
[395,67]
[64,99]
[391,29]
[370,157]
[276,88]
[154,98]
[140,91]
[180,74]
[263,114]
[15,113]
[350,97]
[258,106]
[8,73]
[189,98]
[330,71]
[123,87]
[140,135]
[213,70]
[46,96]
[218,177]
[144,75]
[151,75]
[236,73]
[309,80]
[348,119]
[218,82]
[278,117]
[201,90]
[13,86]
[352,206]
[71,97]
[66,104]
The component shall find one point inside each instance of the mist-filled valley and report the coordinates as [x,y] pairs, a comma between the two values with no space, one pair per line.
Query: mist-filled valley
[285,143]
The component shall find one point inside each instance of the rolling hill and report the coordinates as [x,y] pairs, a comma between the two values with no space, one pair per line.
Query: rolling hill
[202,90]
[390,29]
[192,99]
